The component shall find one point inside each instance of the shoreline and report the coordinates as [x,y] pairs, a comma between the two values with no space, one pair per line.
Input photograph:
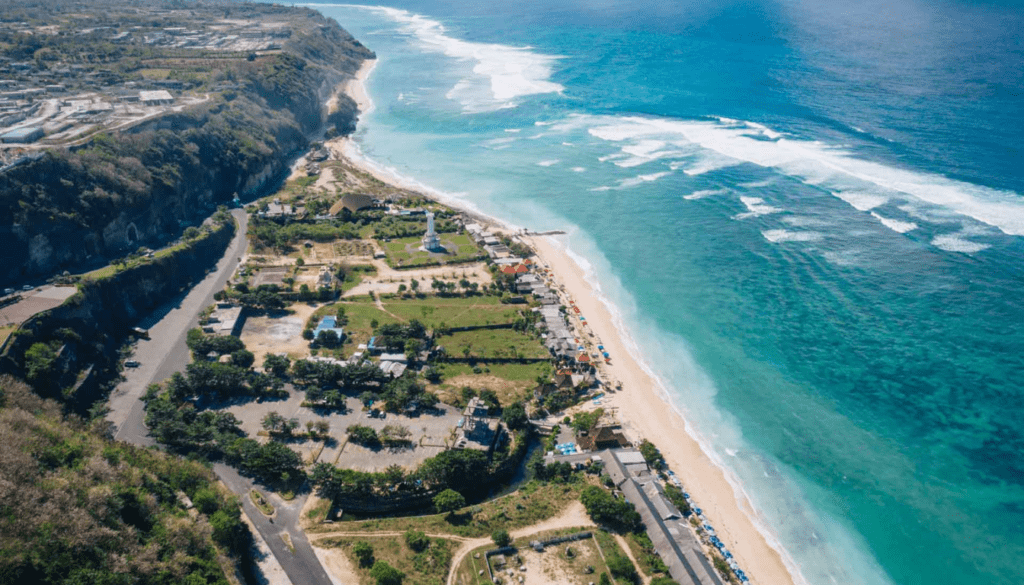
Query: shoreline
[641,404]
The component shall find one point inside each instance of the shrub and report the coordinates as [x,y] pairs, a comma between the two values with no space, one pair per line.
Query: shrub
[363,435]
[622,568]
[501,538]
[363,552]
[449,501]
[385,574]
[416,540]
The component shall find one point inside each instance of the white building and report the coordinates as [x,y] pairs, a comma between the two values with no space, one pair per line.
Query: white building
[431,242]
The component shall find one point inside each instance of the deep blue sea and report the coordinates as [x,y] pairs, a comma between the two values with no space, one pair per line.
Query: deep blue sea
[808,214]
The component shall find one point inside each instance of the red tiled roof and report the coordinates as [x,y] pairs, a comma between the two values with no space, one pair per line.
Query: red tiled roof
[583,358]
[521,268]
[527,261]
[508,270]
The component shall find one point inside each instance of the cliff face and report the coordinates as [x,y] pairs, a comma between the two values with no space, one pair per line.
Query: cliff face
[102,313]
[74,209]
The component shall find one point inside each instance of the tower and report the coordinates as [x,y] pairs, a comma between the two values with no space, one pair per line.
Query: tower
[431,242]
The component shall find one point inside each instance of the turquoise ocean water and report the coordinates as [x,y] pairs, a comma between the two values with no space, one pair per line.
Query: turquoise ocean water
[807,214]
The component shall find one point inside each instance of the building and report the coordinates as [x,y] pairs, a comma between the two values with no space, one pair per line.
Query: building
[672,537]
[278,209]
[329,323]
[160,97]
[353,202]
[431,241]
[226,319]
[477,429]
[24,135]
[599,438]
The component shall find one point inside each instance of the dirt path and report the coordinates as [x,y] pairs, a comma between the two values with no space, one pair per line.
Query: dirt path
[625,548]
[572,517]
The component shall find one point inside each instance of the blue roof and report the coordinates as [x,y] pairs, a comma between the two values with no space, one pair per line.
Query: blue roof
[22,132]
[328,324]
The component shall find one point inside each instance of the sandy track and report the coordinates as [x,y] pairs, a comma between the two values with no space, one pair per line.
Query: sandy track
[572,517]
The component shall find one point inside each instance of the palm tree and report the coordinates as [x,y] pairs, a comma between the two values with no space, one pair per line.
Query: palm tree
[332,397]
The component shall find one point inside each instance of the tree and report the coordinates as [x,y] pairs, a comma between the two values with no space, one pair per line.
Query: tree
[363,435]
[385,574]
[514,416]
[414,284]
[300,262]
[622,568]
[328,338]
[652,455]
[242,358]
[449,501]
[39,362]
[273,421]
[190,233]
[290,425]
[363,552]
[604,580]
[417,540]
[606,510]
[276,364]
[412,348]
[501,538]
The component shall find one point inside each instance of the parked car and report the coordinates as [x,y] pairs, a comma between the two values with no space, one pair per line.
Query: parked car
[131,364]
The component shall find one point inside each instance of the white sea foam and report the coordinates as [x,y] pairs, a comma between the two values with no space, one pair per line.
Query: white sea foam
[513,130]
[641,179]
[755,208]
[860,200]
[548,163]
[704,193]
[756,184]
[579,169]
[501,73]
[862,183]
[900,227]
[805,221]
[603,188]
[954,243]
[777,236]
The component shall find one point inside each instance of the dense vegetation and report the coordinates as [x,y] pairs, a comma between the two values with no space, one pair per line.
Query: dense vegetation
[78,508]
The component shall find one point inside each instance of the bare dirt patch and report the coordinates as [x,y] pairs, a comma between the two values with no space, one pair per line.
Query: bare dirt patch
[263,334]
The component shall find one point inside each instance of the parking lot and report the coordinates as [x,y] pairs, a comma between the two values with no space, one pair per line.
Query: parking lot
[34,301]
[431,431]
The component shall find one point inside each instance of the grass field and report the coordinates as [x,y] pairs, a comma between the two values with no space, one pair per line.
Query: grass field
[5,332]
[429,310]
[493,343]
[405,252]
[532,503]
[511,372]
[432,311]
[429,567]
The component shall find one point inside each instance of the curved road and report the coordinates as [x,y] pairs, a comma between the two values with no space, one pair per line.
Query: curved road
[163,354]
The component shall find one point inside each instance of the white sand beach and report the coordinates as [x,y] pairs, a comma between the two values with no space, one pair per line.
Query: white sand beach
[641,408]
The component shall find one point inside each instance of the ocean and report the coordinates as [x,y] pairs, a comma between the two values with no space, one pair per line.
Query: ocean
[808,216]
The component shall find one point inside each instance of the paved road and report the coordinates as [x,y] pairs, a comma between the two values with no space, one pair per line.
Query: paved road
[301,564]
[165,351]
[163,354]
